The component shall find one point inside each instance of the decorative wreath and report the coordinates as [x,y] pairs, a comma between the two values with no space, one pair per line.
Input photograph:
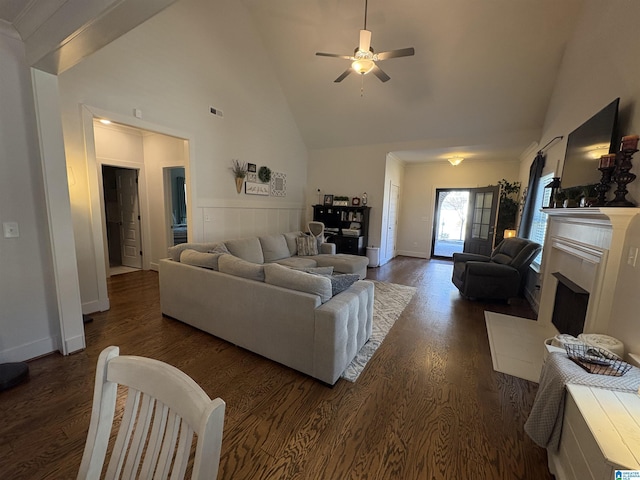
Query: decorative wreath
[264,174]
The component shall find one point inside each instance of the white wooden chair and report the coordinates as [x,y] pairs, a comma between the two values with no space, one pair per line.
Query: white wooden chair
[164,408]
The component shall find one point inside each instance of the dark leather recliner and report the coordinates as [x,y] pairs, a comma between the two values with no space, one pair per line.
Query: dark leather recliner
[499,276]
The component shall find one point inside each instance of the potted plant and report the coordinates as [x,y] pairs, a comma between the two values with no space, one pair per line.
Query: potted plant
[508,210]
[239,172]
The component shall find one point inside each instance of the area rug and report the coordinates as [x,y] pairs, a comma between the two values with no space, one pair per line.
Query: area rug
[389,301]
[517,344]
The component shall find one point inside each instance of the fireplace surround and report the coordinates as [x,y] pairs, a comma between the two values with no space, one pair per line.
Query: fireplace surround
[585,245]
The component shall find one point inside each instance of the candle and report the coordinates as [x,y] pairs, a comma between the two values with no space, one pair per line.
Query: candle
[630,142]
[607,161]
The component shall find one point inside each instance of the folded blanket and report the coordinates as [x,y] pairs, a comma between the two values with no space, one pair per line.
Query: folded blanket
[544,424]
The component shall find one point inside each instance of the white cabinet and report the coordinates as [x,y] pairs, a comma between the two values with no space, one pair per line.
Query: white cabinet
[600,434]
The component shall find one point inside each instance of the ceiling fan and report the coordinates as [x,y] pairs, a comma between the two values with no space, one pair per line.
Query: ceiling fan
[364,57]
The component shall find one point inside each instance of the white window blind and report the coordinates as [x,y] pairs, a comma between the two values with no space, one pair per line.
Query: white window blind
[539,220]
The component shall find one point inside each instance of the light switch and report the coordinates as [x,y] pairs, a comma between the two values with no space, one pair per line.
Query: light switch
[11,229]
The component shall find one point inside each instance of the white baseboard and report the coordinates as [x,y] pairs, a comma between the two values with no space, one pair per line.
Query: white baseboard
[154,266]
[30,350]
[75,344]
[95,306]
[408,253]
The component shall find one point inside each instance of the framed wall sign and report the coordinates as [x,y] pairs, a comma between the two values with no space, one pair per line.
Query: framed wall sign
[251,188]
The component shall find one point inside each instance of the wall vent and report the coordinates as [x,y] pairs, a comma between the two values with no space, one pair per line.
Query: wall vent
[216,111]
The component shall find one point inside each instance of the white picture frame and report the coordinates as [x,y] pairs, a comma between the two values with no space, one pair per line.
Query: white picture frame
[278,184]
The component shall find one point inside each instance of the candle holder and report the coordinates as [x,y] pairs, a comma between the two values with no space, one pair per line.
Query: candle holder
[623,177]
[605,185]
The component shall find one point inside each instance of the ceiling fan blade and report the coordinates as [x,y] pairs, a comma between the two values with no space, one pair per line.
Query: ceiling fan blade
[377,71]
[344,75]
[402,52]
[334,55]
[365,40]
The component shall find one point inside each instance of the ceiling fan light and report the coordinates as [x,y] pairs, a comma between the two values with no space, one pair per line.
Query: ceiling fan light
[455,160]
[363,66]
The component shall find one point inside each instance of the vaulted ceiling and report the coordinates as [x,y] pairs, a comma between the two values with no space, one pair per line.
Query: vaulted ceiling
[480,81]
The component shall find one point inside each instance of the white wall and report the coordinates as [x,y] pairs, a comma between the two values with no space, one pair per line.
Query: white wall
[29,322]
[193,55]
[600,64]
[350,172]
[394,175]
[419,192]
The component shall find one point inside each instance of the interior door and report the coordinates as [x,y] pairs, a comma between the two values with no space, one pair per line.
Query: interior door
[392,230]
[127,185]
[481,220]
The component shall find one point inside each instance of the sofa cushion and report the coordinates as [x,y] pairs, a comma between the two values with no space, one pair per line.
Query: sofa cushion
[240,268]
[318,270]
[176,250]
[219,248]
[343,263]
[248,249]
[200,259]
[280,276]
[298,262]
[274,247]
[307,246]
[290,238]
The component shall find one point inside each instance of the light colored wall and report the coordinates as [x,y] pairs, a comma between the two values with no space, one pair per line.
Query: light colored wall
[599,65]
[28,318]
[173,79]
[394,175]
[160,152]
[419,191]
[350,171]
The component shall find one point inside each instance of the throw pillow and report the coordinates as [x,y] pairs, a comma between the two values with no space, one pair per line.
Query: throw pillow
[241,268]
[307,246]
[341,282]
[200,259]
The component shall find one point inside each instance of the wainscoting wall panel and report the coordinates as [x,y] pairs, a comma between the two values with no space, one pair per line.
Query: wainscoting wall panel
[227,222]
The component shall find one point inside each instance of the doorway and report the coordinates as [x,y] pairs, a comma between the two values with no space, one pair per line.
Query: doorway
[392,222]
[464,221]
[122,216]
[176,204]
[449,222]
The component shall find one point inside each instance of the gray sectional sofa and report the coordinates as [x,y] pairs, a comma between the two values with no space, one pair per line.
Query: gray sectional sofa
[253,293]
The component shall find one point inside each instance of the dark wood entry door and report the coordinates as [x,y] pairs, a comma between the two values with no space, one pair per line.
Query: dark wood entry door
[481,220]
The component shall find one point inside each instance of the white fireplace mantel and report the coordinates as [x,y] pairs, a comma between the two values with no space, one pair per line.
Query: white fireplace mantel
[586,245]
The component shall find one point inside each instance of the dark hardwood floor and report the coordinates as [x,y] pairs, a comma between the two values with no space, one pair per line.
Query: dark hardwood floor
[427,406]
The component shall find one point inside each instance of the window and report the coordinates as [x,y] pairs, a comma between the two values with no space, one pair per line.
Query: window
[539,220]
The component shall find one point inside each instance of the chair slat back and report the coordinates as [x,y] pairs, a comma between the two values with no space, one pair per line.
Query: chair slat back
[165,412]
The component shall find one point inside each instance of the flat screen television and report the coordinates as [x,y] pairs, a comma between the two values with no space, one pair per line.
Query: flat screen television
[586,144]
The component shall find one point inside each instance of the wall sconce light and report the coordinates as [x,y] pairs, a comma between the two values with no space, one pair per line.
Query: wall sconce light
[455,160]
[509,233]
